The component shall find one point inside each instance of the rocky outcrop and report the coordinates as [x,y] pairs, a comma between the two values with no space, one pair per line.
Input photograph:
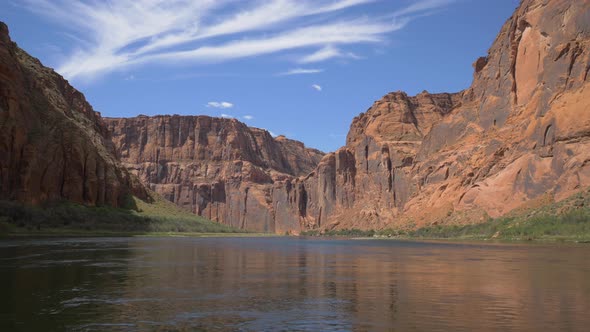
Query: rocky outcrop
[218,168]
[53,145]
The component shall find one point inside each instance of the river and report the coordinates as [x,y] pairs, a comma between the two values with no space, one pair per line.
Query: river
[291,284]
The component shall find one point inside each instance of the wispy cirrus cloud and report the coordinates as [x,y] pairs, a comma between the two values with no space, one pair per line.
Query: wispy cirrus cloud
[422,6]
[317,87]
[116,35]
[300,71]
[327,53]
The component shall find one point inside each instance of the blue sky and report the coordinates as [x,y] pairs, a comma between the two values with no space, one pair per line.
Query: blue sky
[301,68]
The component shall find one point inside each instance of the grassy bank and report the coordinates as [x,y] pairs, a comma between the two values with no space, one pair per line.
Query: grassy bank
[68,219]
[568,220]
[571,226]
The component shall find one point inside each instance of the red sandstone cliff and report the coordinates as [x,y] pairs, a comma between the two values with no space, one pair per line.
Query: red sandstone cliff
[53,145]
[520,133]
[367,183]
[218,168]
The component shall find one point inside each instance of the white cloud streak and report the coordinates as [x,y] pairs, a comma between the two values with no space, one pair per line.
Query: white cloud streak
[220,104]
[326,53]
[117,35]
[248,117]
[422,6]
[317,87]
[266,14]
[226,116]
[300,71]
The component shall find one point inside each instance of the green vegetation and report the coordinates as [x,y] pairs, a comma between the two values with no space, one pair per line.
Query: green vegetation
[568,220]
[573,225]
[65,218]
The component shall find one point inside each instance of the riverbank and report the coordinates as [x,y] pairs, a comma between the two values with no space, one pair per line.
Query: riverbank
[565,221]
[73,233]
[64,219]
[570,227]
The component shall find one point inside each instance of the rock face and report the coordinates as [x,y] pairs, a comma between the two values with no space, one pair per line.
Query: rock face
[53,145]
[367,183]
[218,168]
[519,134]
[523,130]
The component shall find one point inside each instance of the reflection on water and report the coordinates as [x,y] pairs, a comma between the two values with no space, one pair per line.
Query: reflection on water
[288,284]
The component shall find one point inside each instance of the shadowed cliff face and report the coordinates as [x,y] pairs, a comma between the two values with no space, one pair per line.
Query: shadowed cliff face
[52,144]
[218,168]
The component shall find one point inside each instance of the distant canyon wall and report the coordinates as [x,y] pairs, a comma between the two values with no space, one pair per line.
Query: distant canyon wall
[217,168]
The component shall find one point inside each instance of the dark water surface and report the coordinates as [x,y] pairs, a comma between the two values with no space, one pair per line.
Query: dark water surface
[290,284]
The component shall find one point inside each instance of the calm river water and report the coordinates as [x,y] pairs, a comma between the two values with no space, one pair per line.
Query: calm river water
[290,284]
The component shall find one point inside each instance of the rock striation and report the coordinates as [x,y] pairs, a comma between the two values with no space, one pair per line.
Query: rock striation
[53,145]
[218,168]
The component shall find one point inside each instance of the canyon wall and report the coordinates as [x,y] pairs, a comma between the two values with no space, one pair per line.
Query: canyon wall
[217,168]
[518,136]
[53,145]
